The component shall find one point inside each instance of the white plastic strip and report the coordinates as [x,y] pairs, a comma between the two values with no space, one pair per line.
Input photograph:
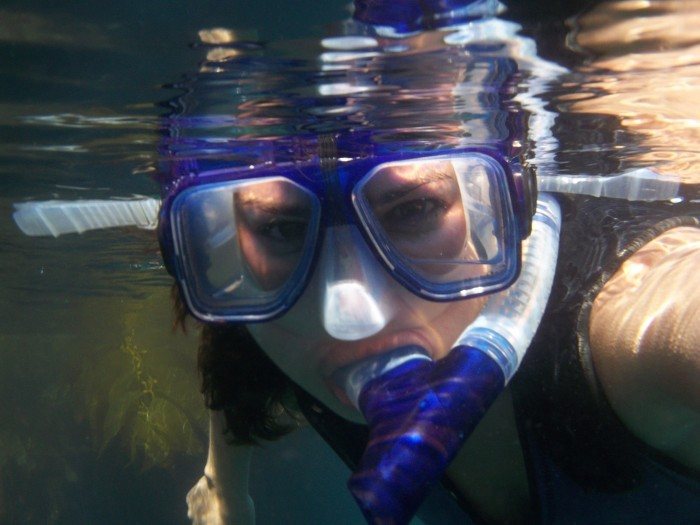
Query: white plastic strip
[642,184]
[55,217]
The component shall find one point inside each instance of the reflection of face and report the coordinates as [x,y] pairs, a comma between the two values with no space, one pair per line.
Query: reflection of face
[637,45]
[420,211]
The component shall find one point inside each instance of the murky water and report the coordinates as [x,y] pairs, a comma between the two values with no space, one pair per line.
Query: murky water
[101,421]
[100,418]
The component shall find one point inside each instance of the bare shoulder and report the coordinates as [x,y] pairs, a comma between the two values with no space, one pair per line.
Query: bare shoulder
[645,340]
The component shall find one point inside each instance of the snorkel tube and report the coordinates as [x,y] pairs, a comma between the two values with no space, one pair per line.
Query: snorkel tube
[420,411]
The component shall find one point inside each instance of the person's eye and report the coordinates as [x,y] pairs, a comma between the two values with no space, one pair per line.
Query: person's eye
[414,216]
[290,232]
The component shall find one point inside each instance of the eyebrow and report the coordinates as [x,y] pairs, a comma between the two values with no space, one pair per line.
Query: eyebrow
[403,189]
[293,210]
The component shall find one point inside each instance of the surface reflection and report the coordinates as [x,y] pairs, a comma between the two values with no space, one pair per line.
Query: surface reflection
[644,70]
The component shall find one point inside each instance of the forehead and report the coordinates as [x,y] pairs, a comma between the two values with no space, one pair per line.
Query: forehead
[271,194]
[420,169]
[387,181]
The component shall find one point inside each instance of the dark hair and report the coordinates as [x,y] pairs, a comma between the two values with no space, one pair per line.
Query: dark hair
[238,378]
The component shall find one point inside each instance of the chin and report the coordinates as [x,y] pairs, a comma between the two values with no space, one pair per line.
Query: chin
[339,405]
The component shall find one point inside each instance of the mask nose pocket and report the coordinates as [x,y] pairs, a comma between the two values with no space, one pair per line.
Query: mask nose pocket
[353,302]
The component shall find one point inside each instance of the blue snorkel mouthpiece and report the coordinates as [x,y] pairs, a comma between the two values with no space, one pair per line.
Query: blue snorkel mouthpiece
[420,412]
[419,415]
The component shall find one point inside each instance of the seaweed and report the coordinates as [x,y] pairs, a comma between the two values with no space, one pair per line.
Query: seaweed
[99,398]
[144,393]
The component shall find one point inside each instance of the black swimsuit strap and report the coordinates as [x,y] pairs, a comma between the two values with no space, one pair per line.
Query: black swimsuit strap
[347,439]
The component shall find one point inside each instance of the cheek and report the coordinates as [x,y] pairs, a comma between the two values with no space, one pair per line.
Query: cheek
[446,242]
[452,241]
[292,341]
[295,355]
[270,272]
[287,350]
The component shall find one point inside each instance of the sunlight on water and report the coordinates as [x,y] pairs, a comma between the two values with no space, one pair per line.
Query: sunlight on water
[634,99]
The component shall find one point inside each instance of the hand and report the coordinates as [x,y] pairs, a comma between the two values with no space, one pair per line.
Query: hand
[221,495]
[207,506]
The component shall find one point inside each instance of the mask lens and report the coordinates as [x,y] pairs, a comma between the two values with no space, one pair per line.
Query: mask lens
[441,219]
[245,244]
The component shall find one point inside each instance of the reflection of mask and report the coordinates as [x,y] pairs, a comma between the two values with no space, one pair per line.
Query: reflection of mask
[404,17]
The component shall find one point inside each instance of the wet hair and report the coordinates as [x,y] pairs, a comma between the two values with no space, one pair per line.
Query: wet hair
[238,378]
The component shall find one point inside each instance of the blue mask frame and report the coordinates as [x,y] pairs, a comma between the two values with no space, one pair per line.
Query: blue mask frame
[332,181]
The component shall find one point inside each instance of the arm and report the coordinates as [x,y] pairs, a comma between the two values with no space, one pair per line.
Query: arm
[645,340]
[221,495]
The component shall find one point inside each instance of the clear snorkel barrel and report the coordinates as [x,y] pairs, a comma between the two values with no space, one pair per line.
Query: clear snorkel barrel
[420,411]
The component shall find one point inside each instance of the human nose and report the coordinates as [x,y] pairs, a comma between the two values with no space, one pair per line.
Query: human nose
[354,303]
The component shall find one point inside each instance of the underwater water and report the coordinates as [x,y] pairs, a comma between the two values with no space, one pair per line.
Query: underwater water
[101,420]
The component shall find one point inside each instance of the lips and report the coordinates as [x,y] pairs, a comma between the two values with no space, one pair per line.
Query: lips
[342,354]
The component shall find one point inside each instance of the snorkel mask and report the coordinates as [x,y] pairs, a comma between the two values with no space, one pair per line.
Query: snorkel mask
[444,207]
[446,225]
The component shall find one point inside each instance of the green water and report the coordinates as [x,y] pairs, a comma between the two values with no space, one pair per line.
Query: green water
[100,419]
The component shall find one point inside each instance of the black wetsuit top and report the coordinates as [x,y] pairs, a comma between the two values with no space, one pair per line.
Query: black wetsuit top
[583,465]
